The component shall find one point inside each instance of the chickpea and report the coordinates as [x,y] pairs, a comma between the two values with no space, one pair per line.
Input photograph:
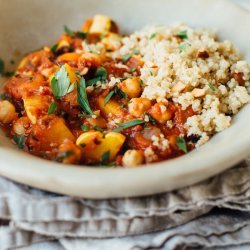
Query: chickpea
[138,106]
[21,125]
[7,112]
[161,112]
[132,158]
[131,87]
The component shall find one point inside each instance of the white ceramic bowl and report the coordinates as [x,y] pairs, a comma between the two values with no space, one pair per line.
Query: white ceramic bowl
[28,26]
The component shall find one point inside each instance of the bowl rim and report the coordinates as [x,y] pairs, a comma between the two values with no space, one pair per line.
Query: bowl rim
[52,175]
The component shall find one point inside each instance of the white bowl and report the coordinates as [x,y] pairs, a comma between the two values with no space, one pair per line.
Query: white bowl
[28,26]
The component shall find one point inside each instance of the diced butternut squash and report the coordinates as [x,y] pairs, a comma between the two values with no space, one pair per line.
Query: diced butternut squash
[57,132]
[112,107]
[100,24]
[131,87]
[95,145]
[36,106]
[69,57]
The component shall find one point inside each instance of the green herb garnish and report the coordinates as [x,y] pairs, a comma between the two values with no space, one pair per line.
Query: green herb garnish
[65,154]
[60,83]
[105,158]
[212,87]
[100,76]
[82,97]
[153,36]
[183,46]
[141,83]
[129,124]
[108,97]
[68,31]
[97,128]
[52,108]
[136,51]
[4,96]
[85,128]
[181,144]
[53,48]
[182,34]
[151,119]
[1,67]
[82,35]
[19,140]
[126,57]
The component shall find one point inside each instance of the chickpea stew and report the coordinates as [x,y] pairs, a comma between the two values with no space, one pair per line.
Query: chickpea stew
[100,98]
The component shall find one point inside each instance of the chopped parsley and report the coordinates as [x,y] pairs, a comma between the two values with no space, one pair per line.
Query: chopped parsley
[136,51]
[19,140]
[181,144]
[108,97]
[141,83]
[65,154]
[129,124]
[82,35]
[1,67]
[100,76]
[82,97]
[68,31]
[4,96]
[54,47]
[105,158]
[60,83]
[85,128]
[97,128]
[52,108]
[182,34]
[126,57]
[212,87]
[151,119]
[183,46]
[152,36]
[114,91]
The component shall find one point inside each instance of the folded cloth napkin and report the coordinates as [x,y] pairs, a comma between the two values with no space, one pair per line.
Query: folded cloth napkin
[214,213]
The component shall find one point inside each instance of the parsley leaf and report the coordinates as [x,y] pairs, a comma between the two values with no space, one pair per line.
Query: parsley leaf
[85,128]
[126,57]
[181,144]
[53,48]
[100,76]
[97,128]
[82,97]
[68,31]
[19,140]
[60,83]
[82,35]
[1,67]
[182,34]
[52,108]
[183,46]
[105,158]
[129,124]
[108,97]
[212,87]
[4,96]
[153,36]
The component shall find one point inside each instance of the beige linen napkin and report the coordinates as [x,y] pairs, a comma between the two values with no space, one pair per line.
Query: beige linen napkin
[37,216]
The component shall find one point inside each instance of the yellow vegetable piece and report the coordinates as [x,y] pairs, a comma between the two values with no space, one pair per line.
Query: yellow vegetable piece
[7,112]
[72,74]
[73,56]
[112,107]
[100,24]
[94,145]
[58,132]
[33,106]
